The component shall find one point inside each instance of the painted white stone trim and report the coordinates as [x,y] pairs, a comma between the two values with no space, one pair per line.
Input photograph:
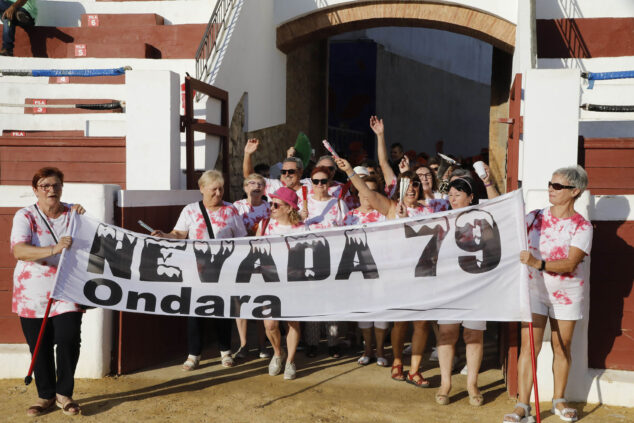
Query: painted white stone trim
[149,198]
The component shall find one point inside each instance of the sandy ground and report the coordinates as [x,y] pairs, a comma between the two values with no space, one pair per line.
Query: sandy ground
[326,390]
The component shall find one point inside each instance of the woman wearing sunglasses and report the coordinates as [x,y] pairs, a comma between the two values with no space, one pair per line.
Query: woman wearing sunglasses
[285,219]
[323,211]
[461,194]
[253,210]
[364,214]
[392,209]
[559,239]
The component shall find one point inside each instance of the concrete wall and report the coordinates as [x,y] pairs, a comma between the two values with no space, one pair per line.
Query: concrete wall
[422,104]
[96,330]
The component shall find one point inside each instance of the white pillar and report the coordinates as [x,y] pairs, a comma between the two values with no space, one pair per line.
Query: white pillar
[152,130]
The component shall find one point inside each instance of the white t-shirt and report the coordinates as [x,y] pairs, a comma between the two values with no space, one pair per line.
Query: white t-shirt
[550,238]
[33,281]
[252,215]
[275,228]
[325,214]
[226,222]
[357,217]
[431,206]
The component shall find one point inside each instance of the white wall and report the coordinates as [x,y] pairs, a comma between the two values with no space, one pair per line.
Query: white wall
[68,13]
[96,329]
[153,130]
[556,9]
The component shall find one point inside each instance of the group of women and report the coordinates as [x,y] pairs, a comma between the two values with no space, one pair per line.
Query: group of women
[559,239]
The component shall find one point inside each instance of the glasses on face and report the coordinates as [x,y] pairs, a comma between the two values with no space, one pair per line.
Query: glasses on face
[557,186]
[424,175]
[46,187]
[275,205]
[288,171]
[255,184]
[434,168]
[415,184]
[320,181]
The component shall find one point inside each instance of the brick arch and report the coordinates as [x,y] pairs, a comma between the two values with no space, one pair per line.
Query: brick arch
[331,21]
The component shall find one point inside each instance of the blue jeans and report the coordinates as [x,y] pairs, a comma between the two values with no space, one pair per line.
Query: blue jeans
[8,27]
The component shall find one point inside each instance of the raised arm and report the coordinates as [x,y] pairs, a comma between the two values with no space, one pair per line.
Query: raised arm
[492,192]
[247,162]
[381,149]
[379,202]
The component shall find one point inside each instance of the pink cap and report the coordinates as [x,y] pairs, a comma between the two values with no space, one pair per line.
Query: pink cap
[287,195]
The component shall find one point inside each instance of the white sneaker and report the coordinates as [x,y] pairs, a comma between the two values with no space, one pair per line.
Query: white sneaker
[464,370]
[434,354]
[290,371]
[275,366]
[264,353]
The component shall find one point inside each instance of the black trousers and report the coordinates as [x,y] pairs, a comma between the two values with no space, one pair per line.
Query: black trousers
[195,327]
[63,330]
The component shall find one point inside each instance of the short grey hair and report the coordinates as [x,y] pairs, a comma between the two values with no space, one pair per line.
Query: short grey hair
[209,177]
[576,176]
[296,160]
[329,158]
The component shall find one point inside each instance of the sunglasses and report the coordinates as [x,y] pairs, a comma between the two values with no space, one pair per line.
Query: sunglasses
[557,186]
[320,181]
[415,184]
[274,205]
[288,171]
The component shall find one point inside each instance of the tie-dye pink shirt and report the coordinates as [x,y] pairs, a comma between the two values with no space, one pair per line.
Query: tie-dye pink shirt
[225,221]
[33,281]
[357,217]
[252,215]
[550,238]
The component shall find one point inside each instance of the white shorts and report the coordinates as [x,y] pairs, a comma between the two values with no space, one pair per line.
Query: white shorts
[572,311]
[469,324]
[368,325]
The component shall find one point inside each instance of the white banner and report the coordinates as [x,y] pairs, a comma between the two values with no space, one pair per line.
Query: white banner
[458,265]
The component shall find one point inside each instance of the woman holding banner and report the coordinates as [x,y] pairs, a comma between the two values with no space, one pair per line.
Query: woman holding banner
[364,214]
[559,239]
[37,239]
[461,195]
[285,219]
[207,219]
[392,209]
[253,210]
[322,211]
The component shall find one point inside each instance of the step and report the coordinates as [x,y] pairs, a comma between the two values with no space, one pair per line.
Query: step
[55,101]
[117,79]
[14,92]
[41,134]
[47,122]
[159,41]
[117,20]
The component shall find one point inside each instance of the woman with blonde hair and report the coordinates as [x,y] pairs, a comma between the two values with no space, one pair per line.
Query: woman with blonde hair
[285,219]
[210,218]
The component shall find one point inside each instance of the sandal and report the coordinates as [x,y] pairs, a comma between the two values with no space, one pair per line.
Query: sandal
[70,407]
[191,363]
[398,376]
[381,361]
[364,360]
[442,399]
[226,360]
[421,382]
[562,413]
[516,418]
[39,409]
[476,400]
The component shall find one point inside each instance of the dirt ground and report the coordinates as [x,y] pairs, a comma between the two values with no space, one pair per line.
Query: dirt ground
[326,390]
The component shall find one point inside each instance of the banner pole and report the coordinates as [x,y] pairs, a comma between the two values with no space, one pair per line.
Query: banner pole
[28,378]
[534,365]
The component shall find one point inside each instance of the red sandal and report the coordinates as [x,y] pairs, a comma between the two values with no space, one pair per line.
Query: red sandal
[398,376]
[421,382]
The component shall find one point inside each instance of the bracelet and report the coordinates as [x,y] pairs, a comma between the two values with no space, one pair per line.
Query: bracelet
[543,266]
[351,175]
[488,185]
